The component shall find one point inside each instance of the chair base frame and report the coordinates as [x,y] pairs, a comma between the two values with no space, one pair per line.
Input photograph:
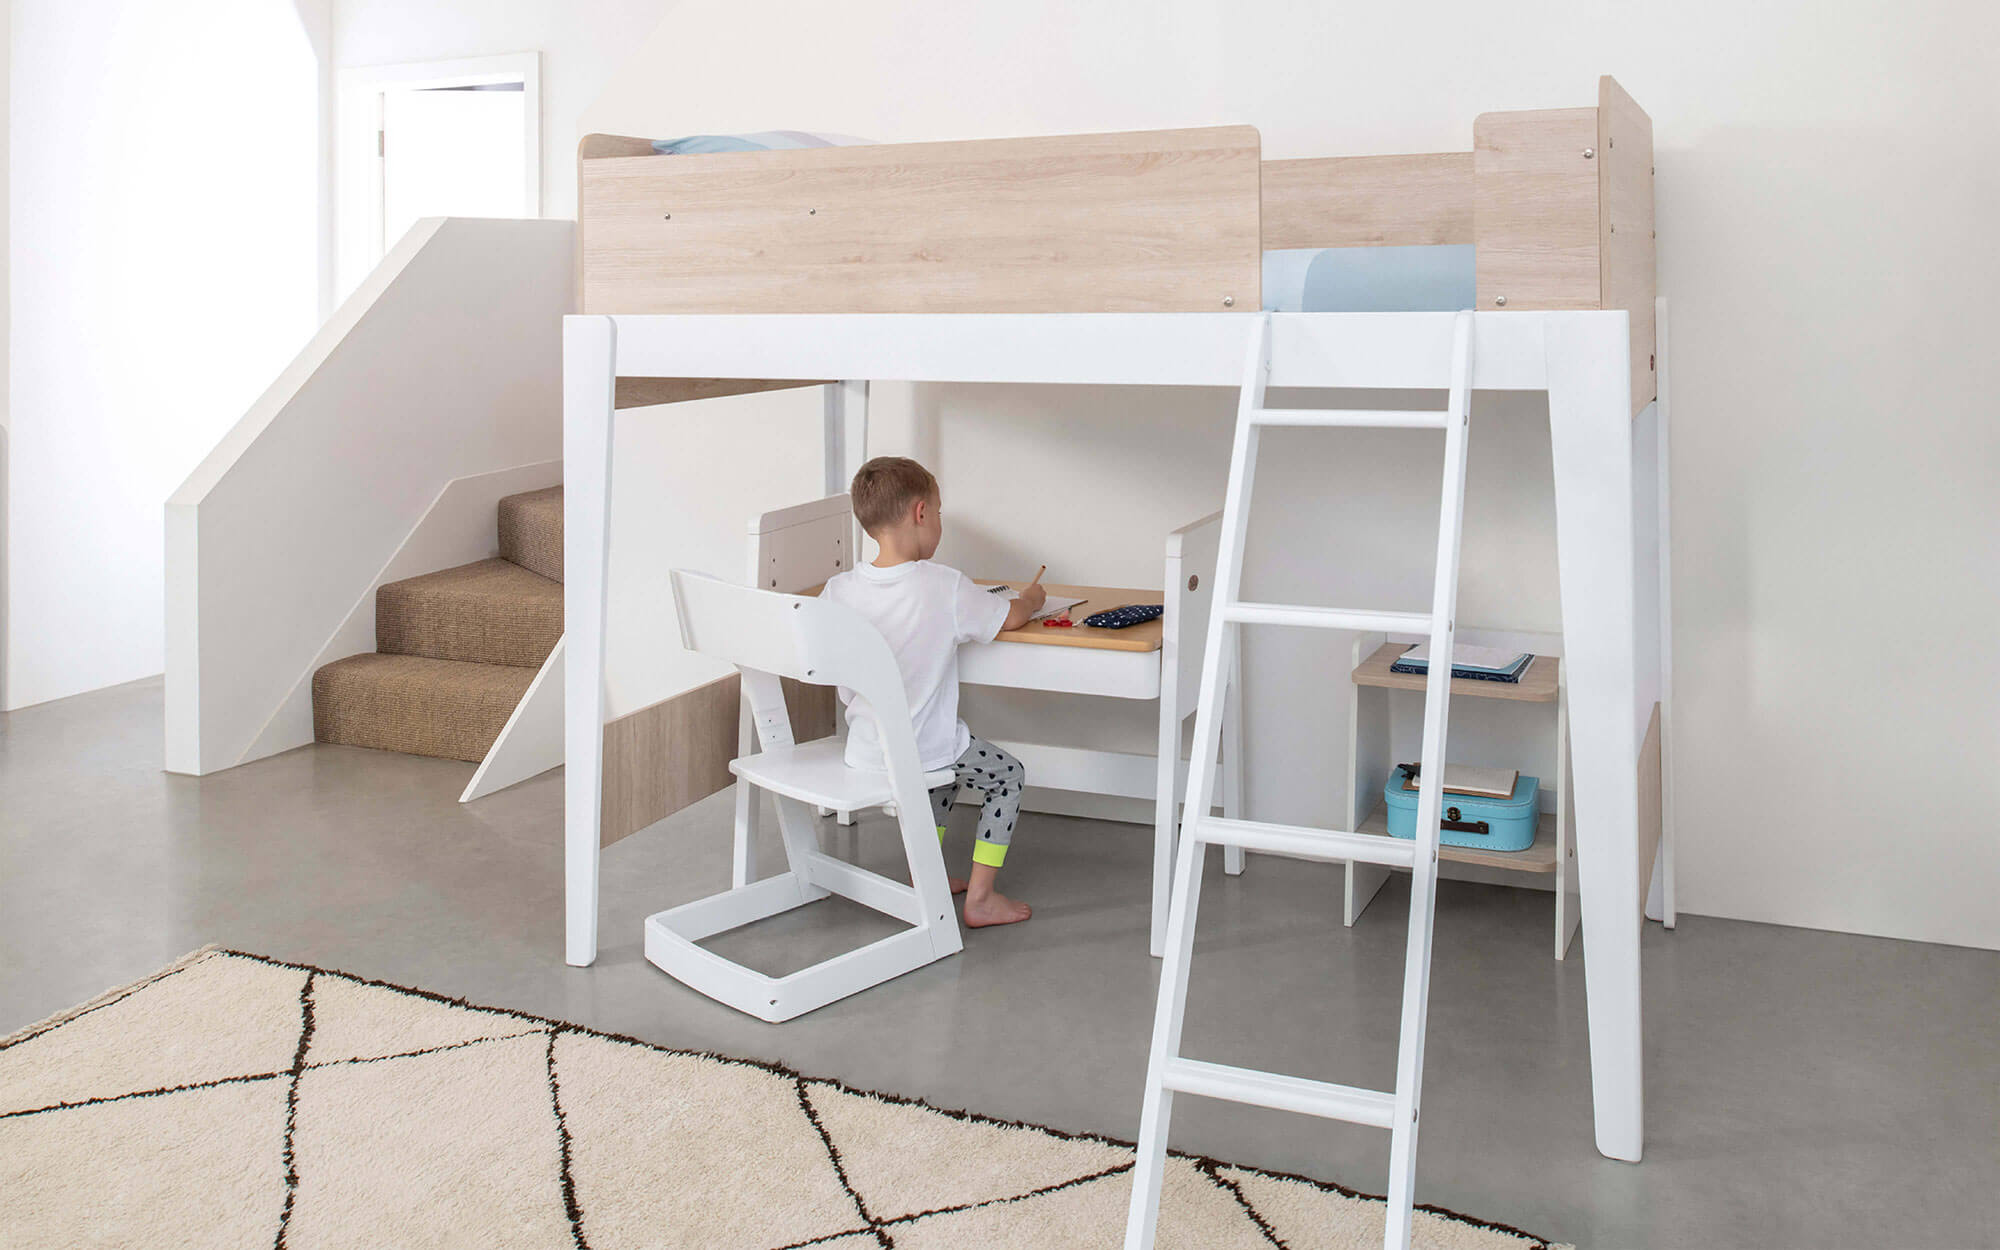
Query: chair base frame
[673,936]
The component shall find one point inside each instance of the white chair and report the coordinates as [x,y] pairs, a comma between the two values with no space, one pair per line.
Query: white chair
[768,636]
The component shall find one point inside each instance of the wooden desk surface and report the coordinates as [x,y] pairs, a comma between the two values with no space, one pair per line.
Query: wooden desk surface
[1144,637]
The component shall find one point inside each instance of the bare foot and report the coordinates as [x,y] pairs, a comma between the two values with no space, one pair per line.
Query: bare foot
[958,885]
[994,909]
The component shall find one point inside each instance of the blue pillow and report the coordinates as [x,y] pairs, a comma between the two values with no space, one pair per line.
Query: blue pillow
[1370,279]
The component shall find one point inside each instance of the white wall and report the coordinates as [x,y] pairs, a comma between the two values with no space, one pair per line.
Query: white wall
[163,205]
[1825,204]
[6,311]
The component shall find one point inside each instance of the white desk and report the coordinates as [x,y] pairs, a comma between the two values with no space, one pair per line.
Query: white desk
[793,549]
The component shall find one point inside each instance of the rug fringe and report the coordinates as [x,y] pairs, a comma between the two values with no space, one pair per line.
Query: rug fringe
[109,996]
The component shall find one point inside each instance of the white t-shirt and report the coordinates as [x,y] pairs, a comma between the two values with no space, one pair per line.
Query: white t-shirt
[925,610]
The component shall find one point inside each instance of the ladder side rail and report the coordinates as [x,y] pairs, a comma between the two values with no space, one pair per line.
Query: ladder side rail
[1149,1168]
[1423,884]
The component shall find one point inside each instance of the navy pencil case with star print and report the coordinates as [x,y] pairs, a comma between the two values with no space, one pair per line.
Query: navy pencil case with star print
[1125,617]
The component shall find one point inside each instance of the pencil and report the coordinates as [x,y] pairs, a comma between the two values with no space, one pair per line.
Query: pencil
[1038,574]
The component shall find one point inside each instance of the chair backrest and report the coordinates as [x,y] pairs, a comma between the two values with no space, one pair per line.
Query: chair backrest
[810,640]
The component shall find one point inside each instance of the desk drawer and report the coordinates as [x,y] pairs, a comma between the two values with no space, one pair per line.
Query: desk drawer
[1073,670]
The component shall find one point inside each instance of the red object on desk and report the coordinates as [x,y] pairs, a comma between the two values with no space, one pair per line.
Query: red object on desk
[1057,622]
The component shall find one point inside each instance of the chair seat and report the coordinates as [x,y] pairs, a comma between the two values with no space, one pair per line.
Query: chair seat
[817,773]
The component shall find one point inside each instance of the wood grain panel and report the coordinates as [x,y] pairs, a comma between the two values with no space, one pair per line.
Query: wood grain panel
[1535,209]
[1651,813]
[661,758]
[1368,201]
[1147,221]
[641,392]
[592,147]
[1625,196]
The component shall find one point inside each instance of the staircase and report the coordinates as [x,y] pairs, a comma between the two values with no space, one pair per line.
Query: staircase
[454,650]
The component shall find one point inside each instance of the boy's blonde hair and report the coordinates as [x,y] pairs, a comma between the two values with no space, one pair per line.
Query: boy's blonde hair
[885,486]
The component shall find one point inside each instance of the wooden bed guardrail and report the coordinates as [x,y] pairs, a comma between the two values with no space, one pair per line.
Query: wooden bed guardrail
[1148,221]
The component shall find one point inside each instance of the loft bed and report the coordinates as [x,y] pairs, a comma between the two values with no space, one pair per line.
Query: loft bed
[1142,258]
[1144,221]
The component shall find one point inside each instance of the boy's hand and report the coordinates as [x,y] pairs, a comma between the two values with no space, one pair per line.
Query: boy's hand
[1024,605]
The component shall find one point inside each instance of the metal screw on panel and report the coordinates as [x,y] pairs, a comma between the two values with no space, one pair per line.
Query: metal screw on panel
[668,217]
[812,212]
[1500,300]
[1194,580]
[1229,301]
[1589,153]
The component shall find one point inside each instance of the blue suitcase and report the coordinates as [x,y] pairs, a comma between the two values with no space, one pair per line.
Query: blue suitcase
[1491,824]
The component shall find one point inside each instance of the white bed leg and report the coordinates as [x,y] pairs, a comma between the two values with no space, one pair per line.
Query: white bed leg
[1662,906]
[1591,445]
[589,403]
[1165,802]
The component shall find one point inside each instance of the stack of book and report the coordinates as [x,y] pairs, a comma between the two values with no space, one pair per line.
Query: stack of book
[1474,663]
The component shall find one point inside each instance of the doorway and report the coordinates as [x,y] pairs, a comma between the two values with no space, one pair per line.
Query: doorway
[437,139]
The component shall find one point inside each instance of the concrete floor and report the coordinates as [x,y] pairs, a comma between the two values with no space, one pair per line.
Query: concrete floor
[1803,1089]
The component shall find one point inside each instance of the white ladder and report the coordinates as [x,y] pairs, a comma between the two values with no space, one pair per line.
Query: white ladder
[1167,1070]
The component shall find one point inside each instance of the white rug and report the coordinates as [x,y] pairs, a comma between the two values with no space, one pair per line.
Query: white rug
[233,1100]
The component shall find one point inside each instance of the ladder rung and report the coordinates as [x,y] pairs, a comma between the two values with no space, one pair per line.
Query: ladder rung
[1299,842]
[1327,618]
[1352,418]
[1281,1093]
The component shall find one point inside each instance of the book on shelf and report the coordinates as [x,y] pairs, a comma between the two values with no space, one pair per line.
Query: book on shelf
[1485,783]
[1471,663]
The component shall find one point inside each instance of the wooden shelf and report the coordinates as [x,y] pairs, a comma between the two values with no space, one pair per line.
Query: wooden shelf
[1537,685]
[1539,857]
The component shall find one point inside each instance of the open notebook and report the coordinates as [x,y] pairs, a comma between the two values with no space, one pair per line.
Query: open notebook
[1056,605]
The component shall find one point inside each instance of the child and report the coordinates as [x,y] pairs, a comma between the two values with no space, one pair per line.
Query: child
[925,611]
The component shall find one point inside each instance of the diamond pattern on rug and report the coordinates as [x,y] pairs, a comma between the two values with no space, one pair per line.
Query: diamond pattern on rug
[1195,1214]
[190,1168]
[355,1020]
[309,1125]
[905,1158]
[1309,1217]
[390,1153]
[219,1017]
[665,1147]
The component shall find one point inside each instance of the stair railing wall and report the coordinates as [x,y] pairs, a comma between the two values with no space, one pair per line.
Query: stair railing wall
[445,364]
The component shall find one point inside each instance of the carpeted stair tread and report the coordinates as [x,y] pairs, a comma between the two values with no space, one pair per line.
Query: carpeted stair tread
[488,612]
[415,704]
[531,531]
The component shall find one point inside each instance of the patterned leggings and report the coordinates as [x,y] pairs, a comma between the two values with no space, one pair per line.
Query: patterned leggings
[997,775]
